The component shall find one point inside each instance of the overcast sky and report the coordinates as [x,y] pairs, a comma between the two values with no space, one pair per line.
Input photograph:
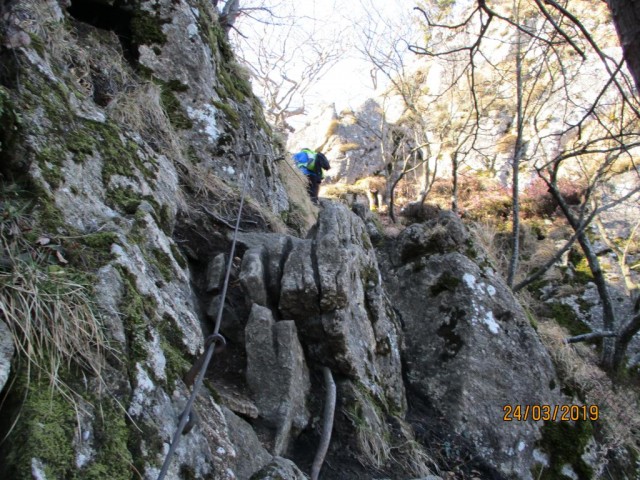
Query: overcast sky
[348,84]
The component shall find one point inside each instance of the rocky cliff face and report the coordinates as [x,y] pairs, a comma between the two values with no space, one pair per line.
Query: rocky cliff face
[354,141]
[128,131]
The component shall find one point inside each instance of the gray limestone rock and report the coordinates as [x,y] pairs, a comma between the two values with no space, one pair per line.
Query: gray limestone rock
[358,335]
[7,350]
[109,292]
[470,349]
[277,247]
[251,456]
[342,249]
[277,374]
[442,234]
[299,291]
[252,276]
[280,469]
[215,272]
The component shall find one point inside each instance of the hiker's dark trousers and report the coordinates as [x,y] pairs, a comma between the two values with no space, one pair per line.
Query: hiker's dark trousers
[314,187]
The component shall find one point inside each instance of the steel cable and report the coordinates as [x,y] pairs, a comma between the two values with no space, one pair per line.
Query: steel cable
[213,338]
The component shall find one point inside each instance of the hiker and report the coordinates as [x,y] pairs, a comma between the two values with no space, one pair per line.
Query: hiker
[312,164]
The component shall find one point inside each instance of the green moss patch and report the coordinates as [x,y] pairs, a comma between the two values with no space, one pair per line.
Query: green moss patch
[111,436]
[8,120]
[233,85]
[446,283]
[177,358]
[138,311]
[47,428]
[100,240]
[162,262]
[177,254]
[230,113]
[50,160]
[124,199]
[81,144]
[564,443]
[44,431]
[581,270]
[171,105]
[567,318]
[120,155]
[146,29]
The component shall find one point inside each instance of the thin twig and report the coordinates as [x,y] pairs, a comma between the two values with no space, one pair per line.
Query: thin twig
[219,219]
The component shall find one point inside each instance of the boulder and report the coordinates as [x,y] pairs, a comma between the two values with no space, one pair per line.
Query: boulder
[251,456]
[215,273]
[280,469]
[356,334]
[330,286]
[277,248]
[419,212]
[277,374]
[470,349]
[299,291]
[252,276]
[442,234]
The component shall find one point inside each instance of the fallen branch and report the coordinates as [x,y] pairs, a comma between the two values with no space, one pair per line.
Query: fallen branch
[590,336]
[219,219]
[327,423]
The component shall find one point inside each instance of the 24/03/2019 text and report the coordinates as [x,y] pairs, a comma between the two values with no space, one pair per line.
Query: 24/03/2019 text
[563,413]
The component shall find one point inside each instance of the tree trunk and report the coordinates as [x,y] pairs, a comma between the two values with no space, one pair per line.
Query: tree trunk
[626,18]
[608,314]
[622,342]
[515,165]
[229,14]
[454,182]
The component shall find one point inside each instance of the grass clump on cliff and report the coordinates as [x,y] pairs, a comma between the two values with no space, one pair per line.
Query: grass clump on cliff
[46,303]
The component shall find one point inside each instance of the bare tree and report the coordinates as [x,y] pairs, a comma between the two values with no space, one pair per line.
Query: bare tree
[229,14]
[572,126]
[286,54]
[383,42]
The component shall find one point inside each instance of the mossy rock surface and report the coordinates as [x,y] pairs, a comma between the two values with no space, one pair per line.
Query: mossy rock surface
[146,29]
[565,444]
[46,433]
[566,317]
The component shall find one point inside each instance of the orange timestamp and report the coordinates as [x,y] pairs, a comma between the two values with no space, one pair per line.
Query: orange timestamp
[562,413]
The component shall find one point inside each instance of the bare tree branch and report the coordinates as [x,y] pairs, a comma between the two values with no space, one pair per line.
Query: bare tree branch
[590,336]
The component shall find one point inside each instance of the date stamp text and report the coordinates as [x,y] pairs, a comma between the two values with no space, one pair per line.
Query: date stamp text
[562,413]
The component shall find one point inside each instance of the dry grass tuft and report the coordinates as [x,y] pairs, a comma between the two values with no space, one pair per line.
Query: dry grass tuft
[47,306]
[378,447]
[140,110]
[347,147]
[220,201]
[372,435]
[485,234]
[412,457]
[619,405]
